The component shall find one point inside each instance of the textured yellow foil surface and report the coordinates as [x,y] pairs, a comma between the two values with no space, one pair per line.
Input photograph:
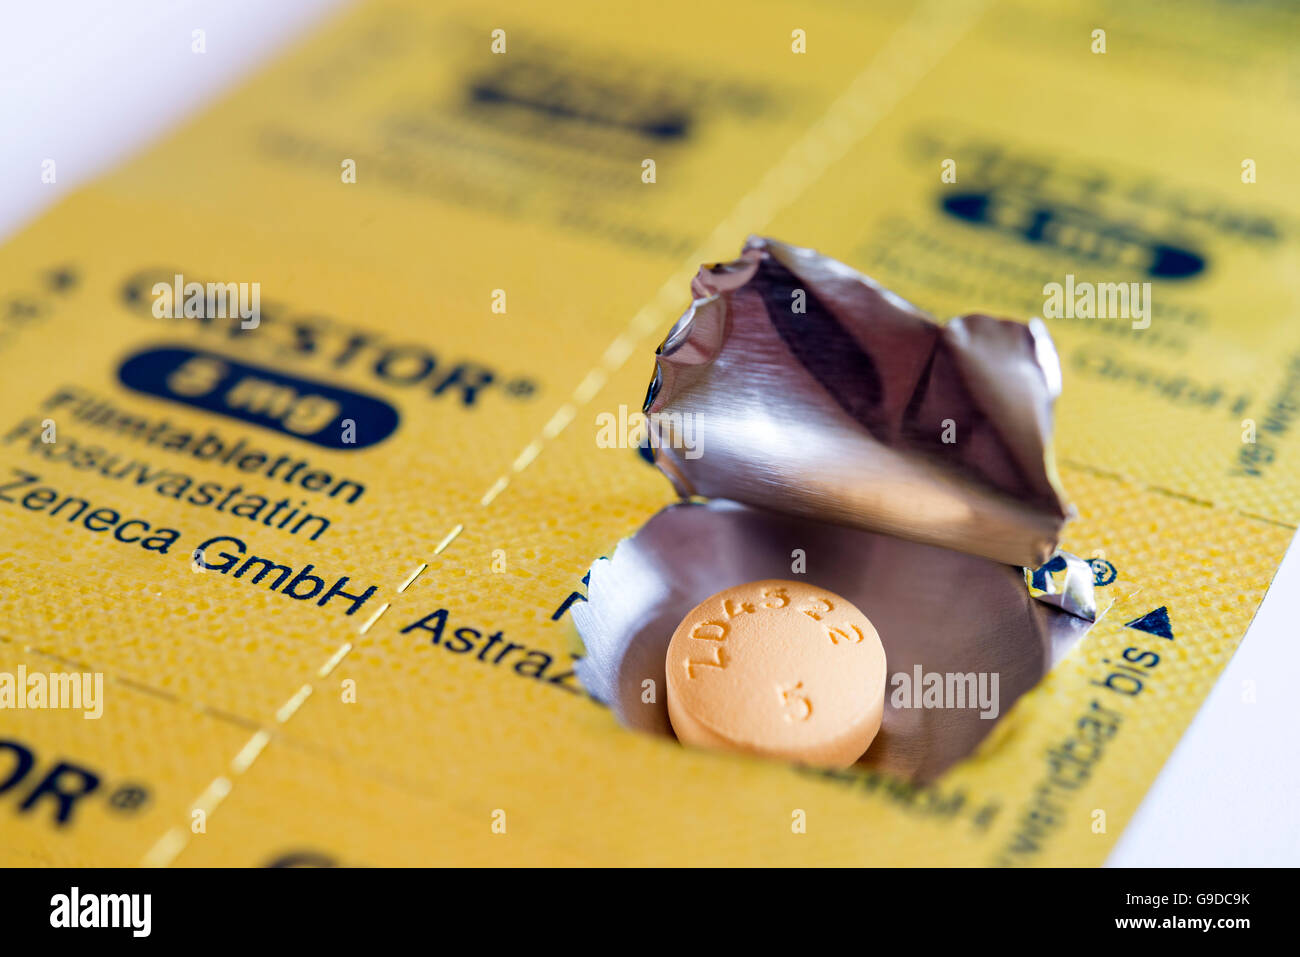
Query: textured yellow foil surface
[440,723]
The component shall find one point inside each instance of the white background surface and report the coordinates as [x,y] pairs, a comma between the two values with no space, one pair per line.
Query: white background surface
[89,82]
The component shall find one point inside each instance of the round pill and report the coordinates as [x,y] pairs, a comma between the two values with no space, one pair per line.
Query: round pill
[777,668]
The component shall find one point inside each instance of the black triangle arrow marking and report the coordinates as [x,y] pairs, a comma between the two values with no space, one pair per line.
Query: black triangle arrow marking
[1153,623]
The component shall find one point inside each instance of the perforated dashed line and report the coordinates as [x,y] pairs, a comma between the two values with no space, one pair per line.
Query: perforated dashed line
[168,847]
[496,489]
[559,421]
[374,618]
[411,579]
[451,537]
[290,707]
[324,670]
[249,752]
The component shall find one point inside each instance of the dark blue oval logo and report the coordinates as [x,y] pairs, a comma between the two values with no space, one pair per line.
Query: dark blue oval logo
[1072,230]
[300,408]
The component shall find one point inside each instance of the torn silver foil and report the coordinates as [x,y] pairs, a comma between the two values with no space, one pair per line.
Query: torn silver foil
[796,384]
[1064,581]
[842,434]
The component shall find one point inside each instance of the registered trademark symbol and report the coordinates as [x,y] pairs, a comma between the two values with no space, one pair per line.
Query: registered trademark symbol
[21,310]
[1103,572]
[129,798]
[521,388]
[61,278]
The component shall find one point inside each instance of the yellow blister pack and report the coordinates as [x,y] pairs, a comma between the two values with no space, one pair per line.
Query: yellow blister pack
[322,550]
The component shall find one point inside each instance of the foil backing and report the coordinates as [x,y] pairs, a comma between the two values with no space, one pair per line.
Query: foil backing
[946,611]
[796,384]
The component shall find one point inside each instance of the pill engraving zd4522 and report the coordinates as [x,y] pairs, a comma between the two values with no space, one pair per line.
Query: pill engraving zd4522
[777,668]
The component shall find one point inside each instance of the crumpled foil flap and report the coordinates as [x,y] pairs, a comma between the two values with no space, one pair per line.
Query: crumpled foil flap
[796,384]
